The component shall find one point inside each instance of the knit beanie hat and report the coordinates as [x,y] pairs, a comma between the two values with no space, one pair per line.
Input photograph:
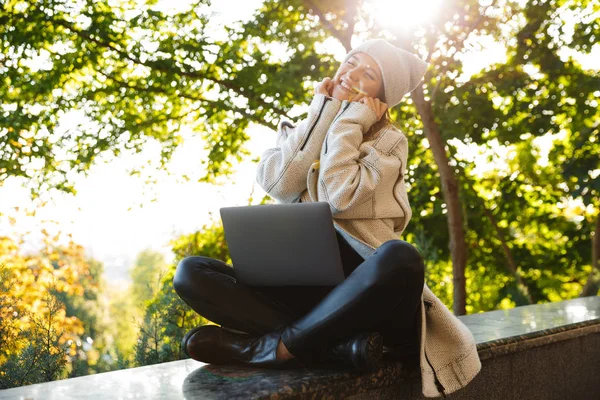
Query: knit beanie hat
[401,71]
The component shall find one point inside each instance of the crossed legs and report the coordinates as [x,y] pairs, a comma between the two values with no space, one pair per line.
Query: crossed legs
[382,294]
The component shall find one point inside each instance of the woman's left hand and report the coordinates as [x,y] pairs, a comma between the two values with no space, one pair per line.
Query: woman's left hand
[378,106]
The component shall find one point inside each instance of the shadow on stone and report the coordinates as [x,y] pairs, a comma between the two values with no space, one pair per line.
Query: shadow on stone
[232,382]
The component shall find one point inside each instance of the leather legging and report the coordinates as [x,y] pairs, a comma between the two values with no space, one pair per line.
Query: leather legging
[381,293]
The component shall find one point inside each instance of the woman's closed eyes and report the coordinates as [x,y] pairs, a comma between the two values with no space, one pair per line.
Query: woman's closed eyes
[368,74]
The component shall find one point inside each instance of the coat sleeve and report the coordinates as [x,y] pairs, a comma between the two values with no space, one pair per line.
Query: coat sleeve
[351,172]
[282,170]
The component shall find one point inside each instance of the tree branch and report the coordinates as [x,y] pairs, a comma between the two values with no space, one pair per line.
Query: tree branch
[459,45]
[227,85]
[150,89]
[343,37]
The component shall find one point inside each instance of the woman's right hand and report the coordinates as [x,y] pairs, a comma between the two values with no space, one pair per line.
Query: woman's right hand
[324,87]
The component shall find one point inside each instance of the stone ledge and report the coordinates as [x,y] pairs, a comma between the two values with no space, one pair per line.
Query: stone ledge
[503,331]
[530,342]
[516,346]
[243,383]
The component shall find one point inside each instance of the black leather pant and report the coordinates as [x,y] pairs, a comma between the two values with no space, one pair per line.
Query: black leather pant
[381,293]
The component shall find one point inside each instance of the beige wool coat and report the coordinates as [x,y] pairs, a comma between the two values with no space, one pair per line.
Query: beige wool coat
[327,158]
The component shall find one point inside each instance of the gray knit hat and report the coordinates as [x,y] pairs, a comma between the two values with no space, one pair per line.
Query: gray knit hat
[401,71]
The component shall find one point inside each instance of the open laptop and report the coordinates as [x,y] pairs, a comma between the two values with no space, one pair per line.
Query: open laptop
[292,244]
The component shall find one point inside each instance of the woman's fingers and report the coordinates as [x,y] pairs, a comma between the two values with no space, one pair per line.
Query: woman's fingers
[368,101]
[359,97]
[328,85]
[324,87]
[383,108]
[378,106]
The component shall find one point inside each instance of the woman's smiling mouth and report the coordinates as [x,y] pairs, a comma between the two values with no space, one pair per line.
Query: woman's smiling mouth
[348,87]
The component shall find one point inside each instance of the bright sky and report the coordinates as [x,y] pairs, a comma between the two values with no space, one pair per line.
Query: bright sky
[106,217]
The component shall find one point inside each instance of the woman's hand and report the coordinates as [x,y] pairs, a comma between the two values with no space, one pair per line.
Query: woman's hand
[324,87]
[378,106]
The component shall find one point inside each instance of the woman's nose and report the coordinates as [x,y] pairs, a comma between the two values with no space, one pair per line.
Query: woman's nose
[351,74]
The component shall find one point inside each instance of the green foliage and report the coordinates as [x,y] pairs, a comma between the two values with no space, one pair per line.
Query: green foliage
[146,269]
[53,298]
[139,74]
[40,353]
[209,242]
[167,318]
[519,213]
[92,352]
[123,312]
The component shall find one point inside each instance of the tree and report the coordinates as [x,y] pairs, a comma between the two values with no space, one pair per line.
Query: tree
[578,153]
[146,68]
[42,353]
[167,318]
[124,330]
[139,74]
[38,334]
[91,350]
[146,269]
[530,94]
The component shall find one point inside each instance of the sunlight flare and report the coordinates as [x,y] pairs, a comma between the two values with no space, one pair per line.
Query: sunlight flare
[399,14]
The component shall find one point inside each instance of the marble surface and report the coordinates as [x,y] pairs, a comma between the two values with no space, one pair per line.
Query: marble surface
[188,379]
[531,321]
[160,381]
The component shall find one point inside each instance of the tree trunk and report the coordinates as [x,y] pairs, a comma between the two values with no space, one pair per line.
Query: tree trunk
[592,285]
[449,181]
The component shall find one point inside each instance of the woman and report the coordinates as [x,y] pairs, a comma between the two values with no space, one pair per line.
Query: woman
[345,153]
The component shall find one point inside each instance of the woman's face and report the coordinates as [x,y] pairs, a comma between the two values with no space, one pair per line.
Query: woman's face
[359,75]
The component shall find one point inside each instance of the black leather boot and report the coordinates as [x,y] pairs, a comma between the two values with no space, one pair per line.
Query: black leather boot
[215,345]
[363,352]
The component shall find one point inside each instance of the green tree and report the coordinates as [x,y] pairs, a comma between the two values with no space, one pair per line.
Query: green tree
[167,318]
[578,158]
[534,93]
[43,354]
[92,351]
[144,273]
[52,312]
[124,330]
[139,74]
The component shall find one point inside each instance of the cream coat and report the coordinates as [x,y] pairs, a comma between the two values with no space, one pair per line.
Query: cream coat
[327,158]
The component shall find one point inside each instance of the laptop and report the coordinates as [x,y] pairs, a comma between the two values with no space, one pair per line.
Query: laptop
[291,244]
